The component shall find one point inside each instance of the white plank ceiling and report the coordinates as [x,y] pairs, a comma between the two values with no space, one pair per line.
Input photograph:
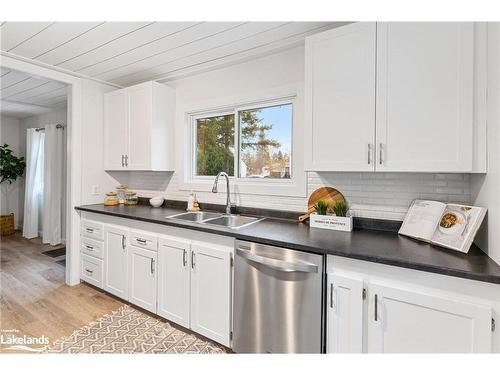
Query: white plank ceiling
[23,95]
[126,53]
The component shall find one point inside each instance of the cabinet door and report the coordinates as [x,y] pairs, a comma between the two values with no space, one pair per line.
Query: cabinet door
[425,96]
[115,129]
[340,99]
[406,321]
[173,280]
[116,261]
[140,102]
[142,278]
[211,292]
[344,315]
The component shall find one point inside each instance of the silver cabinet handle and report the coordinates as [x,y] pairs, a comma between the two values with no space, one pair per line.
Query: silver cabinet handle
[331,296]
[184,257]
[376,308]
[91,248]
[369,153]
[380,153]
[123,162]
[152,266]
[192,260]
[89,230]
[141,241]
[126,160]
[124,245]
[89,271]
[280,265]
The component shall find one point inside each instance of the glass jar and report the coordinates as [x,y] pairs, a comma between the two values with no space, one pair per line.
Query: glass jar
[131,198]
[111,199]
[121,190]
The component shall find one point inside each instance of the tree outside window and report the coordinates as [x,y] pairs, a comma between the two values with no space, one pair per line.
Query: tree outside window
[264,143]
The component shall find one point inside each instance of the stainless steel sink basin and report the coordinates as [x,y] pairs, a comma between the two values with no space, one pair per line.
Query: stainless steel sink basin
[233,221]
[195,216]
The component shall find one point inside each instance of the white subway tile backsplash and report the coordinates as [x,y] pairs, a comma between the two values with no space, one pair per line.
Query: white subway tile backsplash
[375,195]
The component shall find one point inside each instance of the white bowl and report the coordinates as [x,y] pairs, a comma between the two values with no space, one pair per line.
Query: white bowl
[156,201]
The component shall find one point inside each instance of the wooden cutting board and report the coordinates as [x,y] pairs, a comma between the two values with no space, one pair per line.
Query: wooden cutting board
[328,194]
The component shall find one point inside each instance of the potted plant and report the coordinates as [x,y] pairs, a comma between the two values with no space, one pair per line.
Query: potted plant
[336,216]
[11,168]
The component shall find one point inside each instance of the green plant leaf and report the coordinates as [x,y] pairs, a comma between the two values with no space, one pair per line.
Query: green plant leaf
[11,166]
[340,208]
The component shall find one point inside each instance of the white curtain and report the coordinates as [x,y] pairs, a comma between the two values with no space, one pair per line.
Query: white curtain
[33,197]
[53,185]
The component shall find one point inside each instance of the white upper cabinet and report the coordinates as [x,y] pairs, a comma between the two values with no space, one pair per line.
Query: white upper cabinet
[115,129]
[139,128]
[425,96]
[402,320]
[340,99]
[396,97]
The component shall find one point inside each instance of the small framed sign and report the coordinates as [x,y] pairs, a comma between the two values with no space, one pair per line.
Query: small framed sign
[343,224]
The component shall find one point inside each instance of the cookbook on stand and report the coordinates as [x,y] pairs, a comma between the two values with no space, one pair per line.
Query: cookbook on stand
[453,226]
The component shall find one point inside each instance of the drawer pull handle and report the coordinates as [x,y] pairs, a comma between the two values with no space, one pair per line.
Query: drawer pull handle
[91,248]
[90,272]
[123,242]
[152,266]
[89,230]
[192,260]
[141,241]
[184,258]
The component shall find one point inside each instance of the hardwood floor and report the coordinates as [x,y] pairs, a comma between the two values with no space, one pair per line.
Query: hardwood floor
[33,297]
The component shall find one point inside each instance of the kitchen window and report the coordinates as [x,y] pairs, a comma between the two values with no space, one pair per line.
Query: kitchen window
[253,142]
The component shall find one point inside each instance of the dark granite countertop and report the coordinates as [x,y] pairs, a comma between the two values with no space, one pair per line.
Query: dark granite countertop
[369,245]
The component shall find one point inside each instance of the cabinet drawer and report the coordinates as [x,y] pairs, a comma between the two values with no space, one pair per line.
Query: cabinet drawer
[92,229]
[91,247]
[91,271]
[144,240]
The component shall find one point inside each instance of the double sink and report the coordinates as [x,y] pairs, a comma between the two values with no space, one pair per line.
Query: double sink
[218,219]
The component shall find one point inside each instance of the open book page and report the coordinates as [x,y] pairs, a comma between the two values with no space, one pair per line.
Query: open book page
[458,226]
[422,219]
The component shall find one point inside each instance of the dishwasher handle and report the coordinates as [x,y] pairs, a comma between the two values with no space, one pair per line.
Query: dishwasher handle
[278,264]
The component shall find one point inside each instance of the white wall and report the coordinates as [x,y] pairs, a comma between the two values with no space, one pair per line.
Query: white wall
[486,188]
[93,174]
[10,195]
[379,195]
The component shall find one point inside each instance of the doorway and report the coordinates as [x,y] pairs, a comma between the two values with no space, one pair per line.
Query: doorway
[33,131]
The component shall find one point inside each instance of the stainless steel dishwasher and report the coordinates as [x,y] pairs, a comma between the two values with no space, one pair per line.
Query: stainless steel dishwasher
[278,300]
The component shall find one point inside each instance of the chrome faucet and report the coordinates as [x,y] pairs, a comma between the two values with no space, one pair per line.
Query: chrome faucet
[214,190]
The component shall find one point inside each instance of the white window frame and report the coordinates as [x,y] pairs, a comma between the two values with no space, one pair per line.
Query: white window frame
[294,186]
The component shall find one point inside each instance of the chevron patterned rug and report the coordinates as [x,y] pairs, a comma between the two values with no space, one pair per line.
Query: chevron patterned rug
[130,331]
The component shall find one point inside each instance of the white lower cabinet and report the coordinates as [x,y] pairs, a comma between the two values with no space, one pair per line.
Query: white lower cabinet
[142,277]
[374,308]
[116,260]
[187,282]
[211,292]
[174,272]
[345,314]
[409,321]
[194,286]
